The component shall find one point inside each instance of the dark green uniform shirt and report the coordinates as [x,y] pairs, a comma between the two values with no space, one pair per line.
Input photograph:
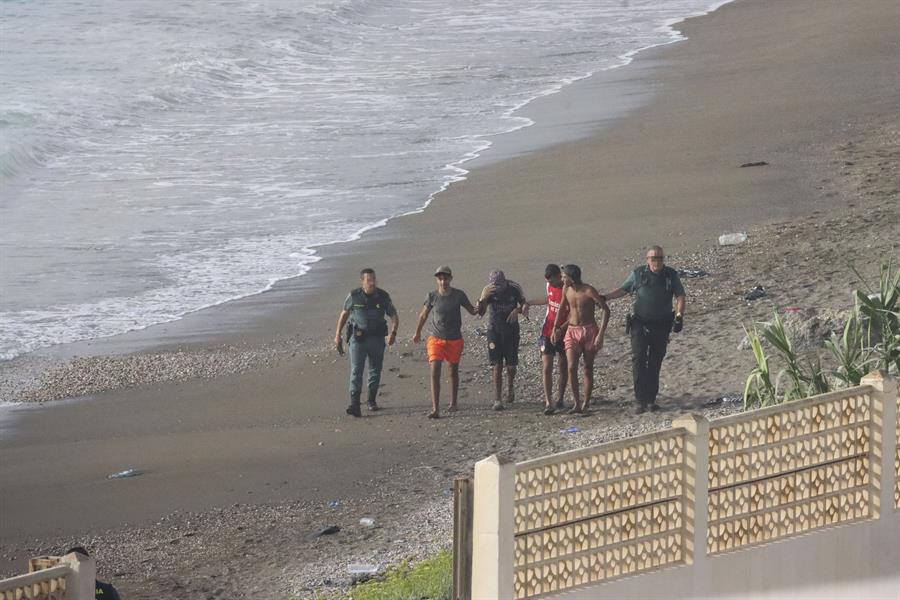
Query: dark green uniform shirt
[367,311]
[653,293]
[105,591]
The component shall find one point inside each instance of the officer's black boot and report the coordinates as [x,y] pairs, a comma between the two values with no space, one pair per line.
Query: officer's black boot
[353,410]
[373,406]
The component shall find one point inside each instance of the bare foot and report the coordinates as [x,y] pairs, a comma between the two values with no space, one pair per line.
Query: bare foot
[576,410]
[434,415]
[452,408]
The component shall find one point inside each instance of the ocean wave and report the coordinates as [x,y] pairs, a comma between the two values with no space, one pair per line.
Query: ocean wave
[206,277]
[311,123]
[18,159]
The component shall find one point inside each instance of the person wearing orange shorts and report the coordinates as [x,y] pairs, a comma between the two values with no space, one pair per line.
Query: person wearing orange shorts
[445,344]
[440,350]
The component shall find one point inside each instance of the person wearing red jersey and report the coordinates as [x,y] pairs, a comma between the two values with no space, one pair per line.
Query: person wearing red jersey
[548,349]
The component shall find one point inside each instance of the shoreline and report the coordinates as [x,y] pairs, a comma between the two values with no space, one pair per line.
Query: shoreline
[514,142]
[250,461]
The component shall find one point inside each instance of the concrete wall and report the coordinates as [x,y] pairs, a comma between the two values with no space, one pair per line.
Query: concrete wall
[69,577]
[855,562]
[793,500]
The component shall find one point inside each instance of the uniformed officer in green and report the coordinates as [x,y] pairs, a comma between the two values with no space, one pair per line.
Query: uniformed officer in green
[364,314]
[654,285]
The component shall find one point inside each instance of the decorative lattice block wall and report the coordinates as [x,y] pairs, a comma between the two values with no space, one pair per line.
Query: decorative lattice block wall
[589,515]
[49,585]
[788,469]
[897,458]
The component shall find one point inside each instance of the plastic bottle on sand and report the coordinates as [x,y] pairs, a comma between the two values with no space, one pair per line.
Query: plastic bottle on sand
[732,239]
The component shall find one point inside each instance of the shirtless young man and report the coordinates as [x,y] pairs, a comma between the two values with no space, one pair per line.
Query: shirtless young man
[583,336]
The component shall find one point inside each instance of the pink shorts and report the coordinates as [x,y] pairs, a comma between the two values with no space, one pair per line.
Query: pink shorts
[582,337]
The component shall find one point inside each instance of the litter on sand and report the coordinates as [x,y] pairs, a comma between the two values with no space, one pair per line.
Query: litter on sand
[334,504]
[756,293]
[692,273]
[569,430]
[759,163]
[367,522]
[732,239]
[330,530]
[727,398]
[125,473]
[361,569]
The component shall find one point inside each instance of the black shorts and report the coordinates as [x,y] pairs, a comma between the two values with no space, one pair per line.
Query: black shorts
[503,346]
[547,347]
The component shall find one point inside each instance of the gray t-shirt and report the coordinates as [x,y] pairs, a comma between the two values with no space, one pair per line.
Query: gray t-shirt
[446,319]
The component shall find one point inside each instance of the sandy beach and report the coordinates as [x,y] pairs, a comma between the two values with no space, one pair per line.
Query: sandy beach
[235,414]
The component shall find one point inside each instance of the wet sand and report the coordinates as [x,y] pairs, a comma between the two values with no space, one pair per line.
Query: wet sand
[246,463]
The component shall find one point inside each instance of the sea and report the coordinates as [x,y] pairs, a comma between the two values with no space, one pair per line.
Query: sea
[159,157]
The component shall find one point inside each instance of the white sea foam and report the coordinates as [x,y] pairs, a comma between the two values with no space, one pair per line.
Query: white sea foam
[170,160]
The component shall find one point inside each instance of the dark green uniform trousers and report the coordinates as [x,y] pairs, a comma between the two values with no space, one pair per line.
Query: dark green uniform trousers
[649,340]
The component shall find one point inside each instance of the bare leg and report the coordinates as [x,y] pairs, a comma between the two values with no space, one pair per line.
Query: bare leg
[588,376]
[563,380]
[510,380]
[454,386]
[547,364]
[435,388]
[497,373]
[572,355]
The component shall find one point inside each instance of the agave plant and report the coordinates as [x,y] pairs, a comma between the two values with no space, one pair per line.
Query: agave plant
[816,377]
[881,307]
[804,377]
[778,338]
[852,351]
[871,338]
[759,388]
